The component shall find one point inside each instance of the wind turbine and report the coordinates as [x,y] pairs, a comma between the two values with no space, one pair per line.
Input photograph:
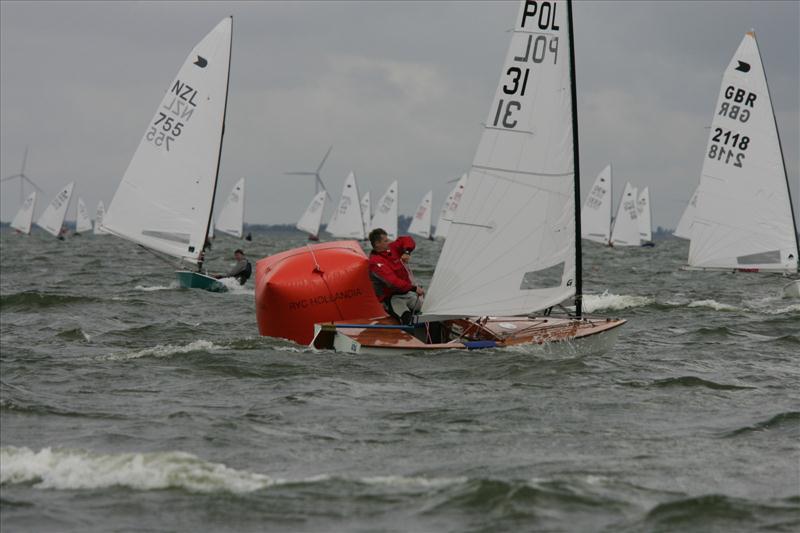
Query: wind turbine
[318,181]
[22,177]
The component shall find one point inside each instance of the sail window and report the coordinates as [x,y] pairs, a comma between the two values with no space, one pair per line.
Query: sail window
[546,278]
[761,258]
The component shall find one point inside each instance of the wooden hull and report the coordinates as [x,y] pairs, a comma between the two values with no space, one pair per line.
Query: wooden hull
[195,280]
[535,335]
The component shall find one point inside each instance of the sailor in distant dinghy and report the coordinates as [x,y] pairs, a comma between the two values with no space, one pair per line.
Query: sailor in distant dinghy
[390,276]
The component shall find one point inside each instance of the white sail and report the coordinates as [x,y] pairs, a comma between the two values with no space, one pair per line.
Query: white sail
[165,199]
[312,217]
[24,217]
[346,221]
[52,219]
[386,212]
[98,218]
[596,212]
[450,207]
[366,214]
[82,221]
[231,217]
[421,223]
[510,249]
[643,214]
[684,228]
[626,223]
[744,217]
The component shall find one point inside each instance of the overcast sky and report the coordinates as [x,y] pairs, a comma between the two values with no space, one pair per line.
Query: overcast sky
[398,88]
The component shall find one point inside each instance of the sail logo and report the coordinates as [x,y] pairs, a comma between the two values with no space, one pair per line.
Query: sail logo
[742,67]
[201,62]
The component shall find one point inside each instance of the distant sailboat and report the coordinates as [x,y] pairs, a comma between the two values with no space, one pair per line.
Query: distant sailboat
[165,199]
[312,217]
[385,216]
[52,219]
[684,228]
[366,213]
[596,212]
[643,215]
[421,223]
[626,225]
[744,219]
[450,208]
[24,217]
[231,217]
[98,218]
[83,222]
[346,221]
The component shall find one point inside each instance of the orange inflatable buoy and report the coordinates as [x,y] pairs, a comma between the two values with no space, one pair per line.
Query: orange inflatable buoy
[317,283]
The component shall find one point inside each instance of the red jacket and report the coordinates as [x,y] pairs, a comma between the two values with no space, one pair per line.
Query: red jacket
[388,273]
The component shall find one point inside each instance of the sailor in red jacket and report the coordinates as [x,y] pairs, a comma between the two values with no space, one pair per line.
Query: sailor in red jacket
[390,276]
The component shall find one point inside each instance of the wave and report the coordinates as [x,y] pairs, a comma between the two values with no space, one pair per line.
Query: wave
[614,302]
[788,419]
[75,334]
[36,300]
[234,288]
[719,513]
[694,381]
[713,304]
[81,469]
[156,287]
[166,350]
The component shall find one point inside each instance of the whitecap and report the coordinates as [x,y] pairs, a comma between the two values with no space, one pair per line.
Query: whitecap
[171,286]
[614,302]
[713,304]
[80,469]
[167,350]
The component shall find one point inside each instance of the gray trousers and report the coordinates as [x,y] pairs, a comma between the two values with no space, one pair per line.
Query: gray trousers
[410,301]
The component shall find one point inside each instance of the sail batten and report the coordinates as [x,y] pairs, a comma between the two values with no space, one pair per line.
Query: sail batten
[511,248]
[169,185]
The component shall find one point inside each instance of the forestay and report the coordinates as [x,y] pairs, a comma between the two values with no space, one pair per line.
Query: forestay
[626,223]
[684,228]
[24,217]
[366,213]
[450,207]
[231,217]
[346,221]
[52,219]
[98,218]
[82,221]
[510,249]
[312,217]
[744,217]
[421,223]
[643,215]
[385,216]
[165,199]
[596,212]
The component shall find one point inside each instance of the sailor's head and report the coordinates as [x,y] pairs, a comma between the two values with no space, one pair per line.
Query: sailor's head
[379,240]
[238,254]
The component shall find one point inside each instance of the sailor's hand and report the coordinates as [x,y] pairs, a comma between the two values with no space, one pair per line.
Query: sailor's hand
[420,291]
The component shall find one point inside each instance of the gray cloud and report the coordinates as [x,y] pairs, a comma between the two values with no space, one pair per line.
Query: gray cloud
[399,88]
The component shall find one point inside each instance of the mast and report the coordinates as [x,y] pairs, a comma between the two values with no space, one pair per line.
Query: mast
[780,148]
[573,90]
[221,137]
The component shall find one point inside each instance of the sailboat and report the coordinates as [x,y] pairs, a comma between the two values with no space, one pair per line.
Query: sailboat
[346,221]
[22,220]
[684,227]
[366,213]
[98,218]
[312,217]
[449,208]
[231,217]
[744,220]
[514,245]
[52,219]
[165,199]
[643,215]
[596,212]
[82,221]
[421,223]
[626,225]
[385,216]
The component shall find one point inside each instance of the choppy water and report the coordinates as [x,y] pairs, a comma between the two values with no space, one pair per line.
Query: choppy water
[128,404]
